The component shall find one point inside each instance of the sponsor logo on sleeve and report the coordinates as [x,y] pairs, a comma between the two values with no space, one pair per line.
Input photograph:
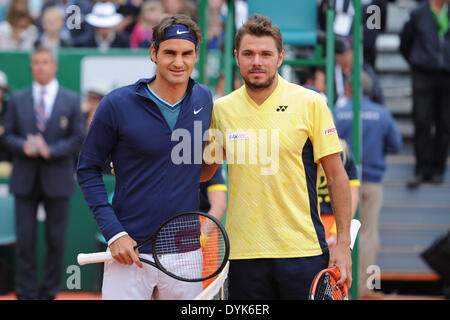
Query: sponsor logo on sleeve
[329,131]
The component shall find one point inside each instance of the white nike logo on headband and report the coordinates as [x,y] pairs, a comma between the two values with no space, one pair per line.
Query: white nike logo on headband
[181,32]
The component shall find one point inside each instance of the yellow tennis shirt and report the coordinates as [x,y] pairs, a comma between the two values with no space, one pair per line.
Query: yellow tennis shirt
[272,152]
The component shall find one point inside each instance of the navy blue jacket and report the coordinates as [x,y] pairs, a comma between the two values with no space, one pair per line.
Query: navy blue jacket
[151,183]
[380,136]
[421,45]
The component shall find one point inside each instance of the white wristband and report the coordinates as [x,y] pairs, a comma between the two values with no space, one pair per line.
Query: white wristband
[117,236]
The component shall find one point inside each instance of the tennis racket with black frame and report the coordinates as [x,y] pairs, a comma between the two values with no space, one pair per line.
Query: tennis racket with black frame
[190,246]
[324,285]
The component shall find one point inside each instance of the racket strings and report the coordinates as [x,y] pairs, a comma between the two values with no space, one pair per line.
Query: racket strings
[327,289]
[190,247]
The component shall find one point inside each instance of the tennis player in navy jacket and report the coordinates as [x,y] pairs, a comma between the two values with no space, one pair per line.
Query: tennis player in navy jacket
[153,130]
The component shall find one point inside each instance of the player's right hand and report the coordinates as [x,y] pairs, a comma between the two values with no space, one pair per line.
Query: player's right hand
[122,250]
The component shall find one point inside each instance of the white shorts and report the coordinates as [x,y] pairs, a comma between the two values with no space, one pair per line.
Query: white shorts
[124,282]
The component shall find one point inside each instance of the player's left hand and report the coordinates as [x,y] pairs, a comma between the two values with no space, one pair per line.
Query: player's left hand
[341,257]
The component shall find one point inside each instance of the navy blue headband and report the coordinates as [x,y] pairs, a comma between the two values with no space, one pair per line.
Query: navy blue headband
[177,31]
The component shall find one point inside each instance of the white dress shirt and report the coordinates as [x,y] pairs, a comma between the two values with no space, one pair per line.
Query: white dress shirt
[51,90]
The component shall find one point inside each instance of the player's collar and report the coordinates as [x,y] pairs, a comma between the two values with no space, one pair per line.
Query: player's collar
[141,85]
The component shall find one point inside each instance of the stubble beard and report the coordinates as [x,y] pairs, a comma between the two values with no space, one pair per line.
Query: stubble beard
[259,86]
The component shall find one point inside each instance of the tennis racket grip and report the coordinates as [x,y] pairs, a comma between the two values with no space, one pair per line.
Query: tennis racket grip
[96,257]
[354,228]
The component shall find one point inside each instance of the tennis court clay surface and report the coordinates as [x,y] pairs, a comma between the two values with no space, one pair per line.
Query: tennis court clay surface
[98,296]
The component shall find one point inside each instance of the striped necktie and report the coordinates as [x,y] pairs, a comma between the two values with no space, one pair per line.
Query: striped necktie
[39,110]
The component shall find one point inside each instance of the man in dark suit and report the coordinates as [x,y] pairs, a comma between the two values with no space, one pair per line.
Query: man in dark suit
[425,45]
[44,131]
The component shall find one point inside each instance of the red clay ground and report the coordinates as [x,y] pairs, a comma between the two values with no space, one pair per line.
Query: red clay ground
[98,296]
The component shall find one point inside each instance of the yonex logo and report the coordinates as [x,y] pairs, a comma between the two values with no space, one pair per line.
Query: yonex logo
[282,108]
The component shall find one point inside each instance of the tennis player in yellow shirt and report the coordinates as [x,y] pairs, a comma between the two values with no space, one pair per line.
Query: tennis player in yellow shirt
[274,134]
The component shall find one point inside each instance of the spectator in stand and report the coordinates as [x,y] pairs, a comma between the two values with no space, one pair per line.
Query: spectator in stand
[52,24]
[104,18]
[18,32]
[370,33]
[326,208]
[343,22]
[75,29]
[129,11]
[186,7]
[94,95]
[380,136]
[216,33]
[344,68]
[425,44]
[35,8]
[314,78]
[151,14]
[216,24]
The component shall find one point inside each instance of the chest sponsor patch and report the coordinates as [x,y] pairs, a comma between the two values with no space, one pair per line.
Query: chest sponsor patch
[237,136]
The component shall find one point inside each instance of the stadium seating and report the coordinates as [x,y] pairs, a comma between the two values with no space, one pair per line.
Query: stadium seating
[297,20]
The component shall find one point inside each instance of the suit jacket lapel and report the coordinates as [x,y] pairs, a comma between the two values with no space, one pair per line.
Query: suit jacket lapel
[29,113]
[57,105]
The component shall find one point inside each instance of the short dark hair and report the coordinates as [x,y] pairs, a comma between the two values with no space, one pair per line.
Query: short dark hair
[259,26]
[365,80]
[158,30]
[53,54]
[308,73]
